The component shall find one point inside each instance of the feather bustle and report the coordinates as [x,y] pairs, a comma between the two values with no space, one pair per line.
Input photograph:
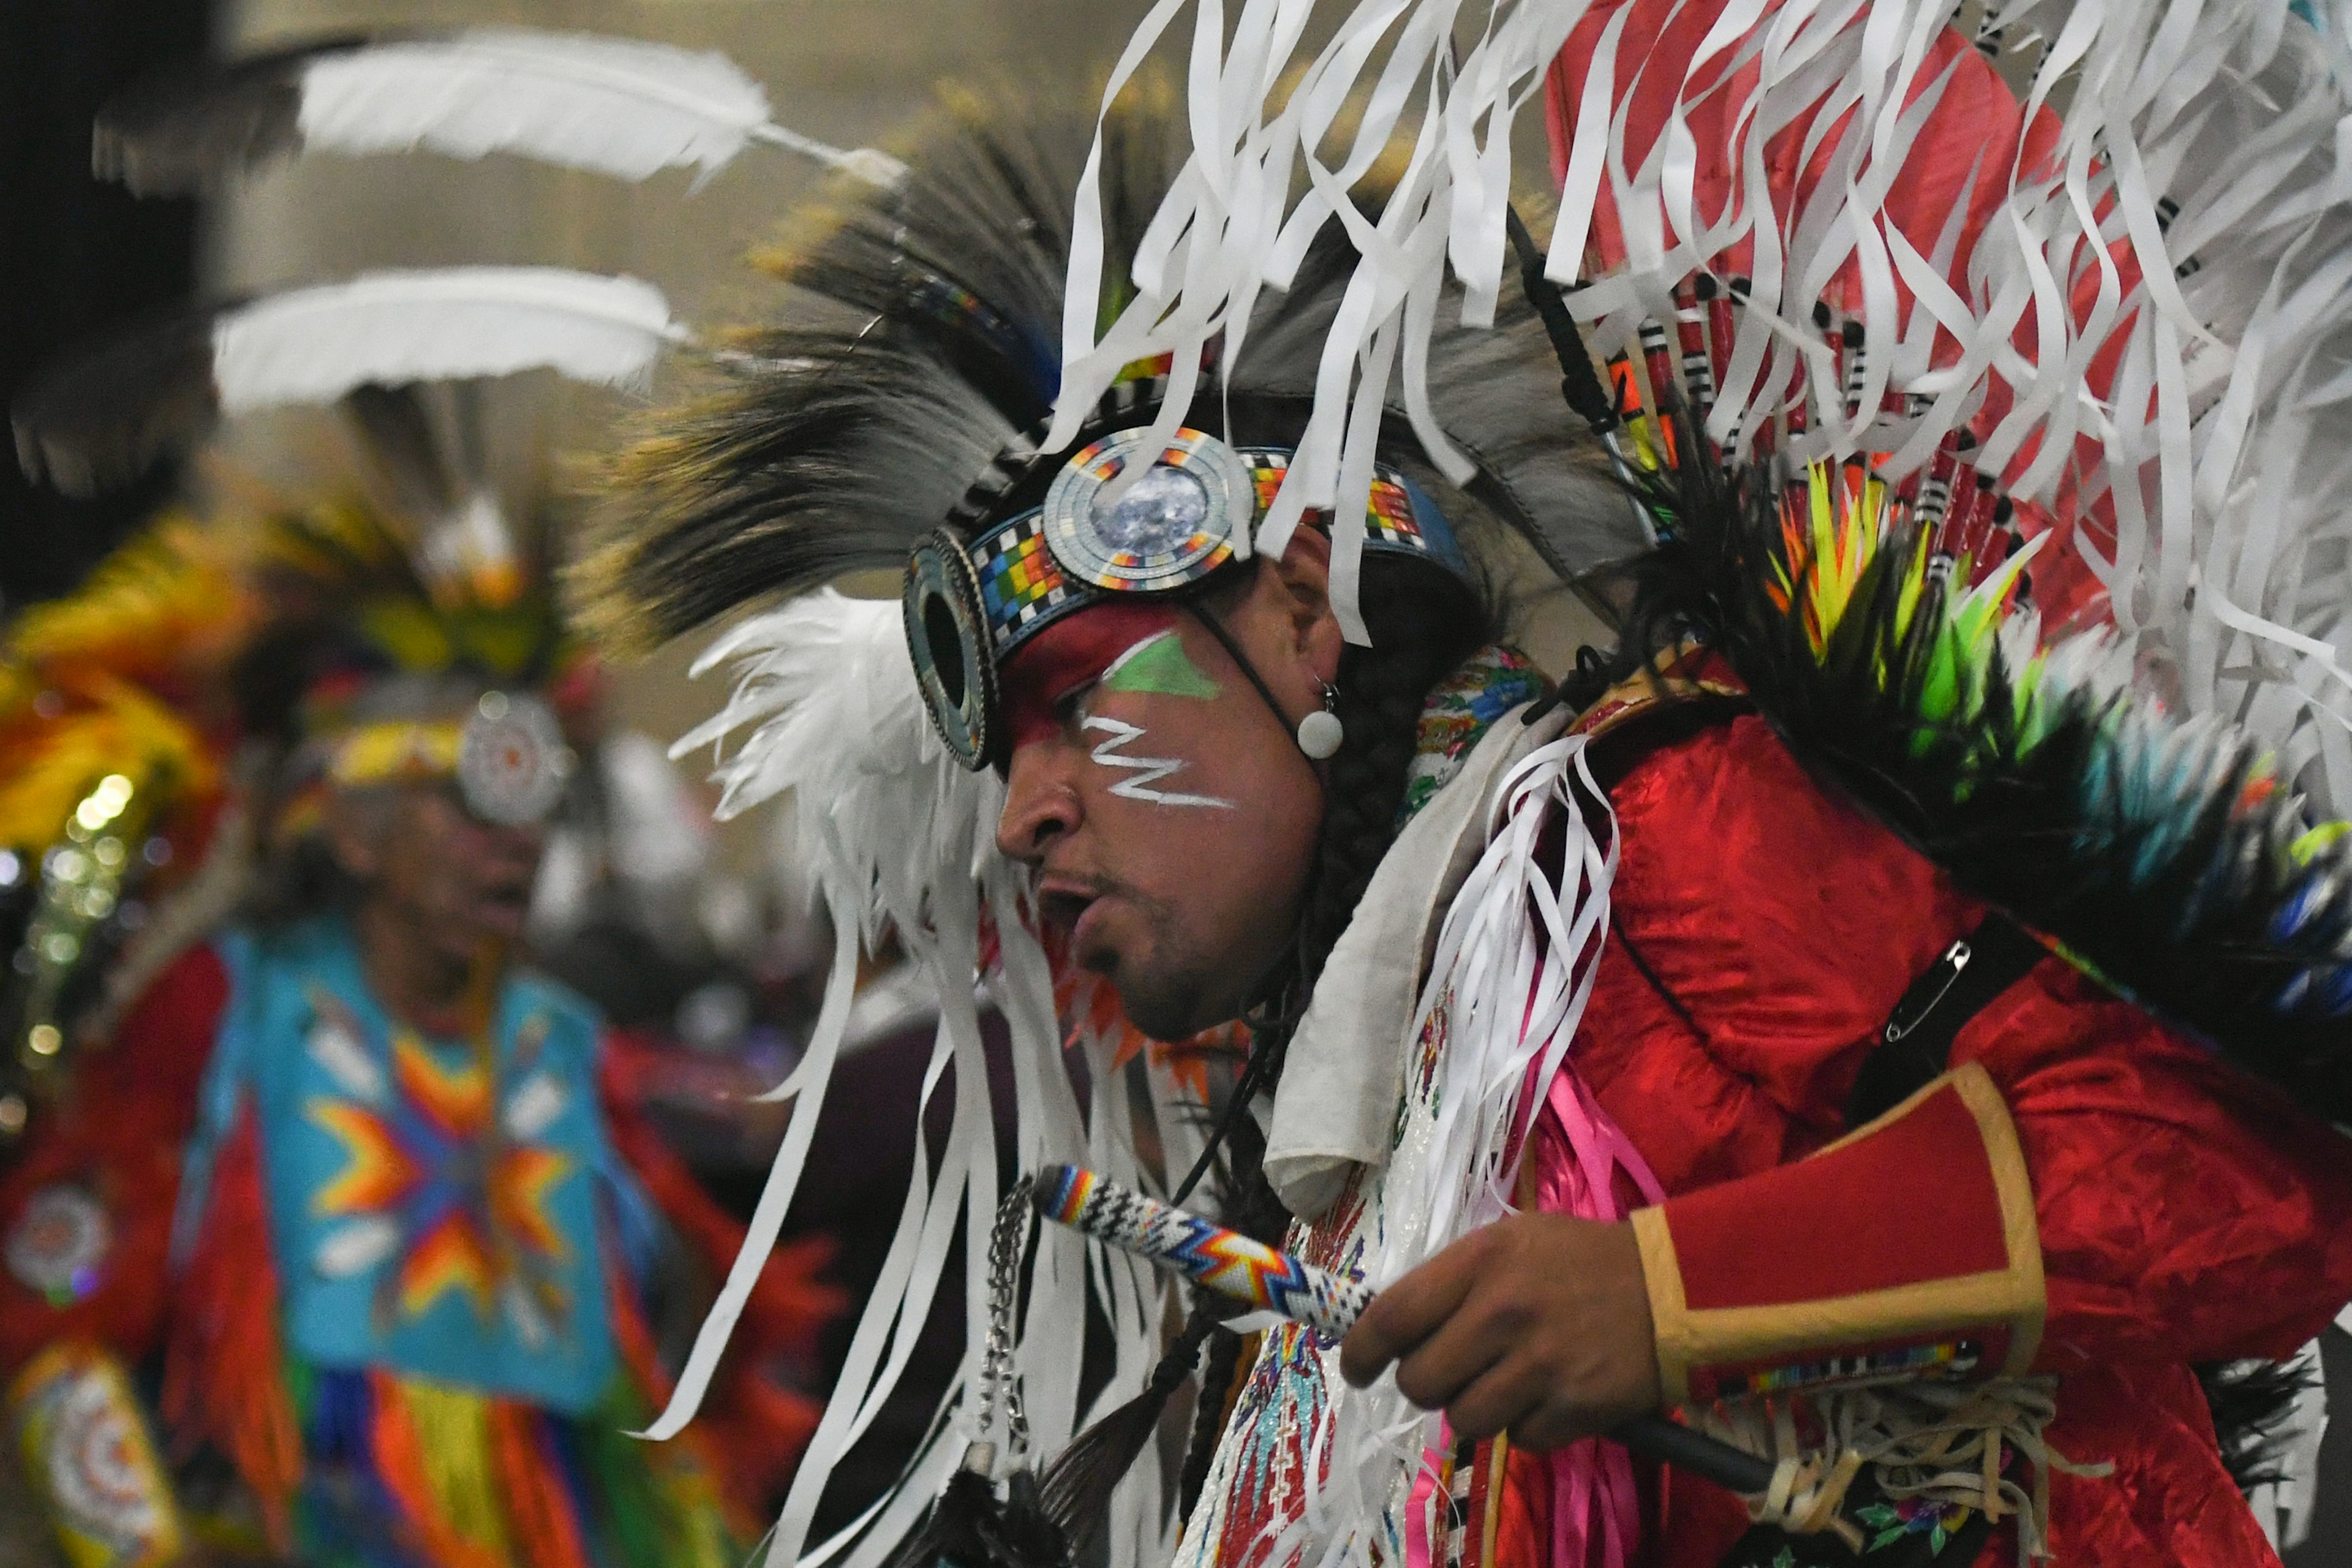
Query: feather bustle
[2160,851]
[831,445]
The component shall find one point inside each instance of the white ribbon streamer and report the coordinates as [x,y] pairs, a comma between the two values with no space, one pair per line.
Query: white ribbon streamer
[2125,328]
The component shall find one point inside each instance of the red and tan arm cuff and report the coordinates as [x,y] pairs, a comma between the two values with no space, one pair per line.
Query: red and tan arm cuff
[1907,1246]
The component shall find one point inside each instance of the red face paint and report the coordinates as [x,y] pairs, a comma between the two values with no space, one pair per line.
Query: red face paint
[1065,657]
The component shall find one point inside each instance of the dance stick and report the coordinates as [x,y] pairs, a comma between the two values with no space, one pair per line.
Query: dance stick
[1207,1254]
[1249,1271]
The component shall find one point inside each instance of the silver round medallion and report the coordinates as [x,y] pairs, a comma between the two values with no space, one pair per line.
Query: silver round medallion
[60,1243]
[99,1470]
[1171,527]
[512,763]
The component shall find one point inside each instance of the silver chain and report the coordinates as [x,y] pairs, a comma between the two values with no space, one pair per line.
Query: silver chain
[998,1379]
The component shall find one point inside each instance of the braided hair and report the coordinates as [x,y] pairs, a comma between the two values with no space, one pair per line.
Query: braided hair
[1424,622]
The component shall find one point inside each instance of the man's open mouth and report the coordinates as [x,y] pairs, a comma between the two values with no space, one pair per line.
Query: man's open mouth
[1061,908]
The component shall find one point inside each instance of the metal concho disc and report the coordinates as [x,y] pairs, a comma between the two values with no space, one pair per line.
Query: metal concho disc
[60,1242]
[512,763]
[1173,526]
[947,636]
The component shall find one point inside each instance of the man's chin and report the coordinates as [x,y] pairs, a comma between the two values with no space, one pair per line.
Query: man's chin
[1167,1008]
[1167,988]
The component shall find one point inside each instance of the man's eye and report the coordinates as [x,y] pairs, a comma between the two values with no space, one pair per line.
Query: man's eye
[1071,706]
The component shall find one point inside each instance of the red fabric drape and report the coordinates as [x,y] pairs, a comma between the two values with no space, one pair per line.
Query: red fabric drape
[2186,1213]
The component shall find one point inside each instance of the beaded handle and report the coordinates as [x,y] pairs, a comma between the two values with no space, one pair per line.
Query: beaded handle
[1208,1254]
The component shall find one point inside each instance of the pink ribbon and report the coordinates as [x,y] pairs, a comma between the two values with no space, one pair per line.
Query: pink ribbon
[1596,1509]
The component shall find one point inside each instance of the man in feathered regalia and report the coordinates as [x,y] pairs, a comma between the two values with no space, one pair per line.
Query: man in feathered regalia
[1884,1017]
[1877,1033]
[329,1173]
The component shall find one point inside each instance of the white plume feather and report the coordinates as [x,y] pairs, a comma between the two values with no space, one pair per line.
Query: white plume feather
[312,345]
[826,707]
[616,106]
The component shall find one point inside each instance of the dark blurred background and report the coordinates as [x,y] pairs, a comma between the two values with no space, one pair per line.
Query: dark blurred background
[74,254]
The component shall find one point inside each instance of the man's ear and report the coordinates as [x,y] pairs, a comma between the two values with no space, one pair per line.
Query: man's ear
[1303,575]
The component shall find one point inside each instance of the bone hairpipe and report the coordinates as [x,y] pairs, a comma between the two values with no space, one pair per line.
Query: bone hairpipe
[1249,1271]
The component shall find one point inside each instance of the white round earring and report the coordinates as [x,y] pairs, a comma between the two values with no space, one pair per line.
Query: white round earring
[1320,732]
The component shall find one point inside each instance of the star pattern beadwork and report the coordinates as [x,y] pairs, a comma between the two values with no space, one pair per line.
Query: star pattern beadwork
[442,1186]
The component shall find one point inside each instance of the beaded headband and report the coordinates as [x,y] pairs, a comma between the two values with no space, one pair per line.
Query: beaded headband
[970,605]
[508,756]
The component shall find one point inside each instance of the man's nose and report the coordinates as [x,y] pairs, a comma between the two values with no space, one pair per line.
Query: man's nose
[1040,806]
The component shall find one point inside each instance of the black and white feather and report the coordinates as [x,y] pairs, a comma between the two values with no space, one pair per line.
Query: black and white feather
[178,129]
[920,343]
[622,107]
[100,416]
[2159,850]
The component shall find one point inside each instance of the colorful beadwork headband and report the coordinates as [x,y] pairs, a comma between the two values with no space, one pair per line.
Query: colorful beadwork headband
[508,756]
[970,605]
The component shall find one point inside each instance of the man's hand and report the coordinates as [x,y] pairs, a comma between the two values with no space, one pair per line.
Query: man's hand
[1537,1326]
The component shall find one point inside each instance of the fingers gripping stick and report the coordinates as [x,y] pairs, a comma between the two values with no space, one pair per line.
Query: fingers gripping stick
[1251,1272]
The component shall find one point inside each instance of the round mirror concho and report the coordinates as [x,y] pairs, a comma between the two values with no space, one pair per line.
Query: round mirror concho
[512,764]
[1171,528]
[947,636]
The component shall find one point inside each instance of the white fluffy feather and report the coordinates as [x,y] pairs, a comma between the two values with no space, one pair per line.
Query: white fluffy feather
[826,707]
[312,345]
[617,106]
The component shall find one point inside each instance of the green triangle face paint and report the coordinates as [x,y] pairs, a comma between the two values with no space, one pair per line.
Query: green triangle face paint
[1159,663]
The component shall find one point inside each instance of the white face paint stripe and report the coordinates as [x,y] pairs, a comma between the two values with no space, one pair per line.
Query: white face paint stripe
[1148,770]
